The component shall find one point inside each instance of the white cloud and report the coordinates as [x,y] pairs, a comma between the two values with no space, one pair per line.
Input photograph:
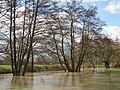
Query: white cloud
[61,0]
[113,7]
[94,0]
[112,31]
[21,9]
[84,0]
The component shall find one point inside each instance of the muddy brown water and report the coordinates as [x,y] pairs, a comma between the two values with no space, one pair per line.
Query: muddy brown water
[60,81]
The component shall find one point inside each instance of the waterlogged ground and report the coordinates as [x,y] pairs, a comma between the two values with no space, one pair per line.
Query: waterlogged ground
[60,81]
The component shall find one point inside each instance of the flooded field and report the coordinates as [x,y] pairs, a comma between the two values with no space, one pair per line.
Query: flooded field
[60,81]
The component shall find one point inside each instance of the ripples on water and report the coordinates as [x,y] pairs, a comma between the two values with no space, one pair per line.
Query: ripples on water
[60,81]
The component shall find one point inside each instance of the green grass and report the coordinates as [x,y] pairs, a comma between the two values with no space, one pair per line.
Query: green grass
[5,69]
[111,71]
[37,68]
[52,67]
[5,66]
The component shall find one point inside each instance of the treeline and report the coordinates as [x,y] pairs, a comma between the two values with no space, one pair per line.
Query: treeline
[63,31]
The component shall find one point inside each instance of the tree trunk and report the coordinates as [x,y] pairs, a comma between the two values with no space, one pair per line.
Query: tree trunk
[11,49]
[72,47]
[107,65]
[32,62]
[63,51]
[14,36]
[31,38]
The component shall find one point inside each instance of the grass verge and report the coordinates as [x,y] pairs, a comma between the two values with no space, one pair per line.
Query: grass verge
[111,71]
[37,68]
[5,69]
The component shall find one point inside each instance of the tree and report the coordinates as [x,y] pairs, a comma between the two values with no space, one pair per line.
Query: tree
[106,51]
[67,31]
[21,39]
[116,54]
[67,26]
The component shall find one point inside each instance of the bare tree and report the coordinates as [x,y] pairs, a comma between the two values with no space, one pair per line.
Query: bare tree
[67,26]
[21,39]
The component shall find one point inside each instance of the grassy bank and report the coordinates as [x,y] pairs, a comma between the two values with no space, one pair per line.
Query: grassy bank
[110,71]
[5,69]
[37,68]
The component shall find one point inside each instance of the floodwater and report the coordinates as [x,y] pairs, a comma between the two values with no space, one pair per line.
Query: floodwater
[60,81]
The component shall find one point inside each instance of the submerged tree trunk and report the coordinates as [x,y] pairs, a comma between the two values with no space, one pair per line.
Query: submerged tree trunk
[31,38]
[21,45]
[32,61]
[72,46]
[57,50]
[11,49]
[107,65]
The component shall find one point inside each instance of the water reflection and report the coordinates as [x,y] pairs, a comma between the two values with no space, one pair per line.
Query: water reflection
[60,81]
[22,82]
